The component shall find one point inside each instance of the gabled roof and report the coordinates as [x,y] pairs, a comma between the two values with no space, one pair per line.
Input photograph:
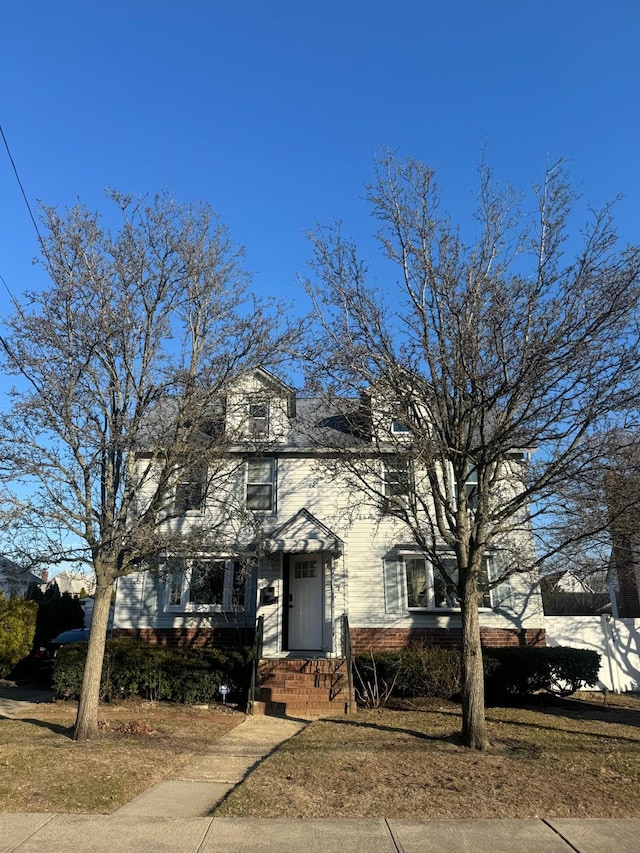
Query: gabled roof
[14,579]
[303,532]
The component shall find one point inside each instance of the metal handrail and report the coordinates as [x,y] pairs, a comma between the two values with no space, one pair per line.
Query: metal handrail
[257,655]
[347,654]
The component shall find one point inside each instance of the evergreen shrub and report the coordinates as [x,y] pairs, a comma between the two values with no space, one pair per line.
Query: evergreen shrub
[17,629]
[133,668]
[524,670]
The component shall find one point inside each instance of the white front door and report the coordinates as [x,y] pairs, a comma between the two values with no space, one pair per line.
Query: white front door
[305,602]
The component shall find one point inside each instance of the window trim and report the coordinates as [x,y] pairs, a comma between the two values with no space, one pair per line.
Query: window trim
[400,501]
[184,576]
[195,482]
[258,425]
[430,584]
[271,509]
[399,427]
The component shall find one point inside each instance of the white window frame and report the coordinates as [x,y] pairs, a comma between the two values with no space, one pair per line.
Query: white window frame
[258,424]
[399,427]
[194,483]
[397,498]
[252,481]
[178,586]
[433,580]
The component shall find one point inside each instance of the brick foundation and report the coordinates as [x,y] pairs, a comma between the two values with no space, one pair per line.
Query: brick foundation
[390,639]
[191,638]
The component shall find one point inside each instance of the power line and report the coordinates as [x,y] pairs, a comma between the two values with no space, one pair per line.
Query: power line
[24,195]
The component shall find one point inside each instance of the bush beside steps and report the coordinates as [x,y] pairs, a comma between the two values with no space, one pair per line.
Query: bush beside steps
[510,673]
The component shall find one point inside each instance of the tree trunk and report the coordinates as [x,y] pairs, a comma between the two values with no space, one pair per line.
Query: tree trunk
[87,718]
[474,733]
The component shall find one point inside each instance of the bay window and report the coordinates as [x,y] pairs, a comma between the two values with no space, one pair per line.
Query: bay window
[205,584]
[434,587]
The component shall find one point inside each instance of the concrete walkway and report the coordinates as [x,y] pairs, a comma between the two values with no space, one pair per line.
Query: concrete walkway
[206,780]
[15,700]
[174,816]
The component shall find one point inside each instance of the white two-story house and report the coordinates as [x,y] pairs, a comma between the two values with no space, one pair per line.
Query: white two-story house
[307,555]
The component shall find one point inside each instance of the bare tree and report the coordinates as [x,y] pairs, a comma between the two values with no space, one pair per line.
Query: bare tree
[596,517]
[480,352]
[116,417]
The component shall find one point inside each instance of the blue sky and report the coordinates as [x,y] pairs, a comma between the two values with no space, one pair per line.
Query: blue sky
[273,111]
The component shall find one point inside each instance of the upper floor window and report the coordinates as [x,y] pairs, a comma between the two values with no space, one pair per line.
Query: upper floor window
[396,484]
[258,422]
[205,584]
[191,490]
[261,484]
[471,487]
[399,427]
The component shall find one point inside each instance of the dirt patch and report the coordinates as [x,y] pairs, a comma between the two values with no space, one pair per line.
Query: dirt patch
[140,743]
[576,757]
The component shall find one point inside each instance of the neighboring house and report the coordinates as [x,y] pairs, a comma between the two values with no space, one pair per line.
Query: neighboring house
[307,551]
[14,580]
[575,594]
[74,583]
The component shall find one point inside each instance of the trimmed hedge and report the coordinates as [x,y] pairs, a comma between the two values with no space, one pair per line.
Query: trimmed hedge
[525,670]
[431,671]
[133,668]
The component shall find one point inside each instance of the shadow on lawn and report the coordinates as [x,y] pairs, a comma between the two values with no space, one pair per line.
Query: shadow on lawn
[561,711]
[454,739]
[579,710]
[56,728]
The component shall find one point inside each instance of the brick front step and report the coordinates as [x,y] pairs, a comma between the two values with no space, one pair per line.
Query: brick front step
[303,687]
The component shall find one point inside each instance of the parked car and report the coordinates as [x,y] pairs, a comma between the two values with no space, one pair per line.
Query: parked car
[74,635]
[44,655]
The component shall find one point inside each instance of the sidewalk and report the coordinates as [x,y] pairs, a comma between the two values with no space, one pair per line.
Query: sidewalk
[118,833]
[175,816]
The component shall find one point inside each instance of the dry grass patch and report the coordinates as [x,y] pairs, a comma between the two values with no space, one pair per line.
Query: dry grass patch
[575,757]
[43,770]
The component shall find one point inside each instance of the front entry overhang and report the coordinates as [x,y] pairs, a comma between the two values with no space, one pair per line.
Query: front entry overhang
[303,533]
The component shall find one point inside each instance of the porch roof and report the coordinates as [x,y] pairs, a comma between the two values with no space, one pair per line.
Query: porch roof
[303,532]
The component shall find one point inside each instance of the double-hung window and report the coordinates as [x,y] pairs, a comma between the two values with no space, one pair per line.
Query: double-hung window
[435,587]
[261,484]
[258,421]
[191,490]
[471,488]
[205,584]
[396,485]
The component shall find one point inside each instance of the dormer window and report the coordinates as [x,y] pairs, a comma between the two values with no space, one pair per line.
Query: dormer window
[400,419]
[399,427]
[258,424]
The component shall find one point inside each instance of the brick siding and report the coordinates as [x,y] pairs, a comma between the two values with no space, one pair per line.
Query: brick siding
[192,638]
[390,639]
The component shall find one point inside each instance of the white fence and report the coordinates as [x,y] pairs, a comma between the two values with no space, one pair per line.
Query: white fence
[617,640]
